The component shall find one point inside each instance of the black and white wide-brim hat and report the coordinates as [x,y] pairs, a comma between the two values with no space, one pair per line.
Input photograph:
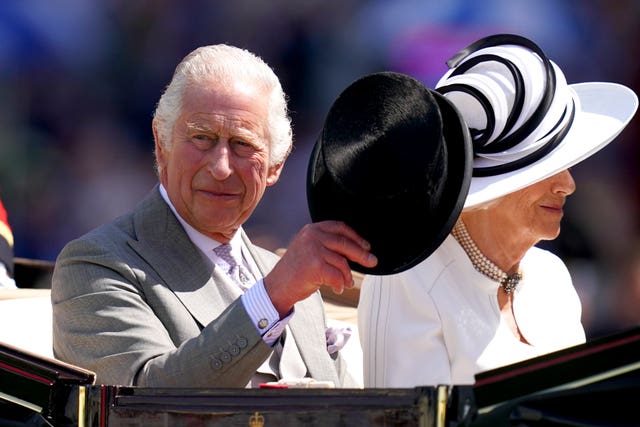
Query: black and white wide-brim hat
[526,122]
[393,161]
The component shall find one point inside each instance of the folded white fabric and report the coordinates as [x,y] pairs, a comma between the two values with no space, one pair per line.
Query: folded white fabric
[298,383]
[337,338]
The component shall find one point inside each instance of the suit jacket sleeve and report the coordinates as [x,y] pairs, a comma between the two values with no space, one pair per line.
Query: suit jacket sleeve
[123,324]
[135,302]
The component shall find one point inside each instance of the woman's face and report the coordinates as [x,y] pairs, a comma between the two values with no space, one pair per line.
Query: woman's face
[535,211]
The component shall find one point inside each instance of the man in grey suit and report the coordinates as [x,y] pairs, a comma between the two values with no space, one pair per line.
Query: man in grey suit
[146,301]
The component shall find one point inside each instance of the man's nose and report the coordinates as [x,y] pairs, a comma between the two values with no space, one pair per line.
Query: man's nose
[220,160]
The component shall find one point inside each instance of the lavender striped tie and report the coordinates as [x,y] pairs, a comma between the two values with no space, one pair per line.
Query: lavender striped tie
[233,267]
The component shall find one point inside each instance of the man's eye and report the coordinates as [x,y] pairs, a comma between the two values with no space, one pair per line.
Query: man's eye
[242,142]
[244,148]
[202,142]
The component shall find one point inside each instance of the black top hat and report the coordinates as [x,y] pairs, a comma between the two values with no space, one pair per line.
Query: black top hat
[394,162]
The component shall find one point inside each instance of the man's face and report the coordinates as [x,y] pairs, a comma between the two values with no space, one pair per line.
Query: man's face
[217,168]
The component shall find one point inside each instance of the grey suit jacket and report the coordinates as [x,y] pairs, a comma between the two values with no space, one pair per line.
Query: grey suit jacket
[135,302]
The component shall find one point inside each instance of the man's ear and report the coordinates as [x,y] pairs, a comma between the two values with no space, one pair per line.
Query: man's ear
[275,170]
[274,173]
[159,149]
[160,155]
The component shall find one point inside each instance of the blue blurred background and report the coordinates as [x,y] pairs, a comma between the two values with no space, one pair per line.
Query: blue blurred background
[79,80]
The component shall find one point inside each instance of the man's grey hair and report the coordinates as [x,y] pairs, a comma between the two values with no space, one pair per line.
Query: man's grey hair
[224,64]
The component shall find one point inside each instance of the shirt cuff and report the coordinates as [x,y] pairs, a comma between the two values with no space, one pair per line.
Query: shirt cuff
[263,314]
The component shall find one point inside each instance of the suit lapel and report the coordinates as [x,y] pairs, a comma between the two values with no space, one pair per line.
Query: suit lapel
[307,327]
[165,246]
[309,334]
[307,330]
[204,291]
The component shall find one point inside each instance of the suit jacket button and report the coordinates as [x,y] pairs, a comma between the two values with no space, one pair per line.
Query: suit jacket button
[234,350]
[216,363]
[225,356]
[242,342]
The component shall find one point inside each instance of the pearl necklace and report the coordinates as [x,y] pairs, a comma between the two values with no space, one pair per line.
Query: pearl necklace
[483,264]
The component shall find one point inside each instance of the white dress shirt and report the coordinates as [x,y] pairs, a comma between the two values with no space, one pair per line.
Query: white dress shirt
[439,322]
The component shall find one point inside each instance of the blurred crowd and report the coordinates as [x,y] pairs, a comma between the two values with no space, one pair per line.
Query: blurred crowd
[79,81]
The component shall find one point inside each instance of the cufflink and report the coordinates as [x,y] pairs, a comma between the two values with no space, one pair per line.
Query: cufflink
[263,323]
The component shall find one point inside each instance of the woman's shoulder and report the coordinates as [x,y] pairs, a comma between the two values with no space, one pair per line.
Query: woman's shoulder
[539,257]
[425,273]
[546,269]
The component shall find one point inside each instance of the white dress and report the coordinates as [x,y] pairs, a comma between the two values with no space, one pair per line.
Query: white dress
[439,322]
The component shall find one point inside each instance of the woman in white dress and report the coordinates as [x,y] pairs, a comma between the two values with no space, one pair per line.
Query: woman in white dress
[487,297]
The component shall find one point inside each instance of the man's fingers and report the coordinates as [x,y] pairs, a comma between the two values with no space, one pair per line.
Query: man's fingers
[342,239]
[339,271]
[339,228]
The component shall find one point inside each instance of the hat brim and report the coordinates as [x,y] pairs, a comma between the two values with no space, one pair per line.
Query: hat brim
[606,108]
[400,239]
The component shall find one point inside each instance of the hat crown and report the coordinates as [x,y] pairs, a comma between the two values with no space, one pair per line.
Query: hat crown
[516,102]
[393,161]
[379,134]
[526,122]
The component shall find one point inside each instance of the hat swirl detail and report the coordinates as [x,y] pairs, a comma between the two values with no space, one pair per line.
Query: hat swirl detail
[516,102]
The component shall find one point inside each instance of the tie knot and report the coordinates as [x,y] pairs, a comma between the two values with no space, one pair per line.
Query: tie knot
[233,266]
[224,253]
